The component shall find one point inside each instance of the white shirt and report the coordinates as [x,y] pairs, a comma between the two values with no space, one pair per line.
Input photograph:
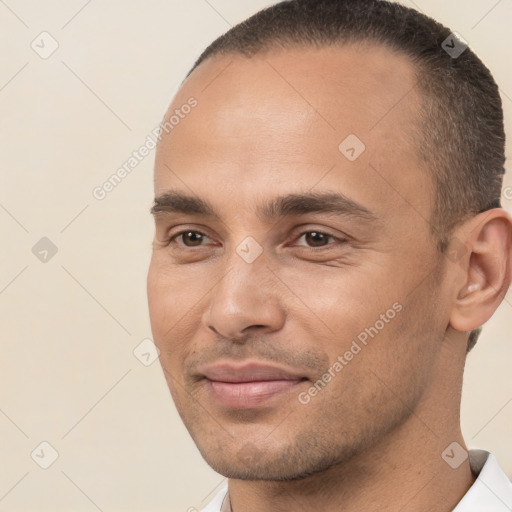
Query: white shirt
[490,492]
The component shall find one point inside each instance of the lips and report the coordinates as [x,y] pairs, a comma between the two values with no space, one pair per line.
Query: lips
[249,385]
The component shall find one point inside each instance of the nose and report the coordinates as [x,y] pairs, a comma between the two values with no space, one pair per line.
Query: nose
[246,298]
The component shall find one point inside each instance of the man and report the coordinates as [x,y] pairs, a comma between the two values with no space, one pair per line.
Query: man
[329,239]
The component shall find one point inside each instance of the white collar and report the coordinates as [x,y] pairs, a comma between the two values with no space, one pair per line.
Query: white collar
[490,492]
[216,503]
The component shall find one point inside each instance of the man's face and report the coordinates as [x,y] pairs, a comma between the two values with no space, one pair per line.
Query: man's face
[252,306]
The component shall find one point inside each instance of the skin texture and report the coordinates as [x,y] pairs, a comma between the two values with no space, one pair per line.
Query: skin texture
[372,438]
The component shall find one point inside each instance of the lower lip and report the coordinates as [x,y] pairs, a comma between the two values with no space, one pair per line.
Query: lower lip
[245,395]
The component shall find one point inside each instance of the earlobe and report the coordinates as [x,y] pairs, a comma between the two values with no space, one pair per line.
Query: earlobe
[487,270]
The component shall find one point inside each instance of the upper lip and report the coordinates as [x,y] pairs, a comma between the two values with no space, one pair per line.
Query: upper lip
[248,372]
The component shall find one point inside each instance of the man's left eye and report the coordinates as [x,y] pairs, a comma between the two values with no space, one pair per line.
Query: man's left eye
[316,238]
[189,236]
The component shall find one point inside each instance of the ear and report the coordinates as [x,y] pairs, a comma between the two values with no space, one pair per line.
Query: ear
[485,268]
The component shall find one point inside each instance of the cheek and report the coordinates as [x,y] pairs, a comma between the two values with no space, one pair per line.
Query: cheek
[338,304]
[176,300]
[165,310]
[375,382]
[171,294]
[365,326]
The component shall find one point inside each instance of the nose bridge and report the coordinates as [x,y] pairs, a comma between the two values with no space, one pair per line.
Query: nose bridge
[244,282]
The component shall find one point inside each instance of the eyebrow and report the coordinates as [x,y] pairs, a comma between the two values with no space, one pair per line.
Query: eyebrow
[281,206]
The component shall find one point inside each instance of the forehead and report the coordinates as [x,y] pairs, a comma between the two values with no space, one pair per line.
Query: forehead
[362,80]
[281,119]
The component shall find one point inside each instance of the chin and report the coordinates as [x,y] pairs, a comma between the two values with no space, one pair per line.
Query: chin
[282,464]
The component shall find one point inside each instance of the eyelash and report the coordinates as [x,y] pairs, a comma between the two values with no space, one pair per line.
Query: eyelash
[171,240]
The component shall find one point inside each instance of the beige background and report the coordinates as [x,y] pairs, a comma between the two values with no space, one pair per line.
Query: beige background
[70,325]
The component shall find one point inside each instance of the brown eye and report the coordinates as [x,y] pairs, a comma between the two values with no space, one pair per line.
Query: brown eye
[316,238]
[190,238]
